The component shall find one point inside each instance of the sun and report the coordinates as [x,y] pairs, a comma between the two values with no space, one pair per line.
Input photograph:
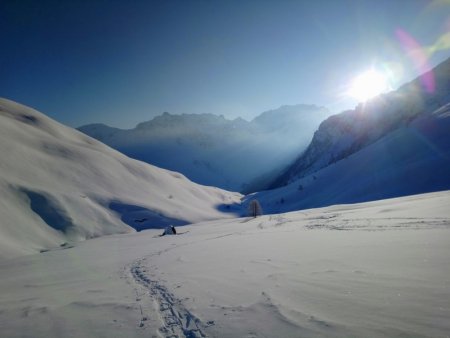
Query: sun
[367,85]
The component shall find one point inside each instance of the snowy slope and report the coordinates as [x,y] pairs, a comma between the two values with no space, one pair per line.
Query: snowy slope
[59,185]
[412,159]
[346,133]
[213,150]
[377,269]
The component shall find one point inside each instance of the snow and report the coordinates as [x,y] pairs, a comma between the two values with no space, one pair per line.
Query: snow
[350,131]
[212,150]
[377,269]
[59,186]
[374,269]
[412,159]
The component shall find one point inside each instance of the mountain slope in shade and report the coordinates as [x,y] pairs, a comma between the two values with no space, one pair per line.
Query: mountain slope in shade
[212,150]
[59,185]
[344,134]
[412,159]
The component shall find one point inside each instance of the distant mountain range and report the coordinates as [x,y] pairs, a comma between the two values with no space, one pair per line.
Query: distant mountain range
[212,150]
[58,185]
[396,144]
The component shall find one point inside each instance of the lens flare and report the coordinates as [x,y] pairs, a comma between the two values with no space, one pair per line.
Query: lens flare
[419,57]
[367,85]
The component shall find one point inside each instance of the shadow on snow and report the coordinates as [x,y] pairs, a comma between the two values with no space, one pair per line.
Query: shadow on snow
[49,210]
[141,218]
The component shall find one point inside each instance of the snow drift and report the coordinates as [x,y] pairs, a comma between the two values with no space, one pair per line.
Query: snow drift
[59,185]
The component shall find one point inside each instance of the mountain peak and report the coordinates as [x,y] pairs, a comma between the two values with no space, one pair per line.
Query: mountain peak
[213,150]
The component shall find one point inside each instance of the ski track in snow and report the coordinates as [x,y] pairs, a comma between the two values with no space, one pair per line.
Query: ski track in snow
[177,320]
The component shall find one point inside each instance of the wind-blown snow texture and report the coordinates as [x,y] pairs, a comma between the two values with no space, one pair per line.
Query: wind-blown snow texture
[211,150]
[377,269]
[58,185]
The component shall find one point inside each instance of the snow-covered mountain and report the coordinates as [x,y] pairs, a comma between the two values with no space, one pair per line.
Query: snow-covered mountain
[58,185]
[397,144]
[212,150]
[346,133]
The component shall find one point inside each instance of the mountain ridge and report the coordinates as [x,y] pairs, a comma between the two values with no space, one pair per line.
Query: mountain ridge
[213,150]
[343,134]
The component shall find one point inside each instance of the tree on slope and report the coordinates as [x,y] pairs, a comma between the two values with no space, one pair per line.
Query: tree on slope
[254,208]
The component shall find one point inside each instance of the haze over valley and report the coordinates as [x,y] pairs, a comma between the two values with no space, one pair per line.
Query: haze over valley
[225,169]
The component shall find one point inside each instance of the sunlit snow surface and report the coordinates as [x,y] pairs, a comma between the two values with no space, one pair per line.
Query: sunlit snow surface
[379,269]
[58,185]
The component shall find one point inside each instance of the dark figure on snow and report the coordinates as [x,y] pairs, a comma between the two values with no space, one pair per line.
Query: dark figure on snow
[170,230]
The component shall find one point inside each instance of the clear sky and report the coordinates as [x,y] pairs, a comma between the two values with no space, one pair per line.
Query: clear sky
[123,62]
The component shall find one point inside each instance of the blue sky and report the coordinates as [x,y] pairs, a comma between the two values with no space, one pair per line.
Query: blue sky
[123,62]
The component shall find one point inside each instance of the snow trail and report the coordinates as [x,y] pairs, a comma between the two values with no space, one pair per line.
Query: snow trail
[177,320]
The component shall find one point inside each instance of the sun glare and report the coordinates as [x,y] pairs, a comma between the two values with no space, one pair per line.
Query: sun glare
[367,85]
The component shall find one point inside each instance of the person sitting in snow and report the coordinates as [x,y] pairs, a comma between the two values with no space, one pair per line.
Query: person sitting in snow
[170,230]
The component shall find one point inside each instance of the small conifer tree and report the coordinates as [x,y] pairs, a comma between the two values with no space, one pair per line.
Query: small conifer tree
[254,209]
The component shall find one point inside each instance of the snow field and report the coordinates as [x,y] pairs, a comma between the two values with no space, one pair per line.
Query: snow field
[366,270]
